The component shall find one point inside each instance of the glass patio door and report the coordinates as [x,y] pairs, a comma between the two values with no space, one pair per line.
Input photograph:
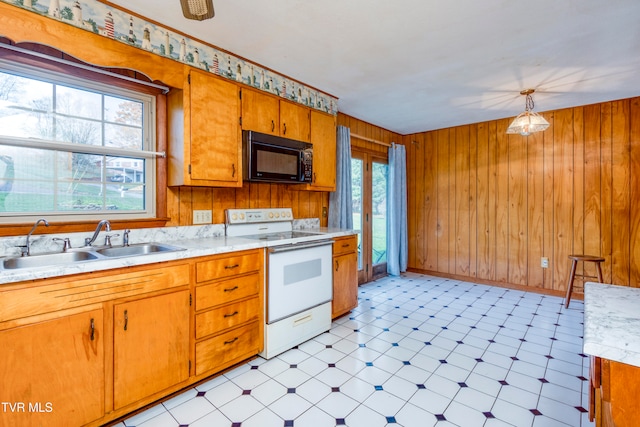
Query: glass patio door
[369,190]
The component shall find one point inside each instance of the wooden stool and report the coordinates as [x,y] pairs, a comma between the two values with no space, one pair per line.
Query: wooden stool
[574,263]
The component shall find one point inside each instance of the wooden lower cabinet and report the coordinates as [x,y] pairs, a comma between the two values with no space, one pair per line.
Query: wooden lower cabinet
[228,310]
[150,346]
[614,391]
[226,348]
[345,275]
[53,372]
[85,350]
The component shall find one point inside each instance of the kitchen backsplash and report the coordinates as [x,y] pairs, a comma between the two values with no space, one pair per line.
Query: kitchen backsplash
[41,243]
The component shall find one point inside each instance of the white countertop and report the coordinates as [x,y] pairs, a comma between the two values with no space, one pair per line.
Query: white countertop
[612,322]
[193,247]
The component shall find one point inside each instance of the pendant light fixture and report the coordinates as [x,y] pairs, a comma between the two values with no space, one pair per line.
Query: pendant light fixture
[197,9]
[528,122]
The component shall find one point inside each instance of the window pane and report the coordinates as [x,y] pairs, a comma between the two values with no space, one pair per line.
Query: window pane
[356,197]
[22,93]
[123,111]
[125,196]
[379,212]
[78,131]
[123,137]
[24,104]
[78,103]
[24,184]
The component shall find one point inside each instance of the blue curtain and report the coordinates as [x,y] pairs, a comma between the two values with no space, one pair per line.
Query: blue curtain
[397,239]
[340,208]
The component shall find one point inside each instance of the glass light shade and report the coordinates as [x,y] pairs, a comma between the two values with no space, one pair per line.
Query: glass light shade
[528,122]
[197,9]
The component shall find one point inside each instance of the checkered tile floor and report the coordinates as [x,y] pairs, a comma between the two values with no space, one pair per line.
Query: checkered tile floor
[418,351]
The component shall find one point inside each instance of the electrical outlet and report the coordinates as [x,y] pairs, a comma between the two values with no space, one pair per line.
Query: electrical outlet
[202,216]
[544,262]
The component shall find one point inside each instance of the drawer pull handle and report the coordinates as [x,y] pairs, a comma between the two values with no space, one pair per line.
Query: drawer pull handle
[337,265]
[233,170]
[231,289]
[231,341]
[93,329]
[229,267]
[231,315]
[345,245]
[302,320]
[273,125]
[126,319]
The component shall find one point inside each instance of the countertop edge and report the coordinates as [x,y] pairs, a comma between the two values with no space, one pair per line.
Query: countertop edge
[609,319]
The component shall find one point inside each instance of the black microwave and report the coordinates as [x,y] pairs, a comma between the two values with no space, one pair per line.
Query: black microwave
[271,158]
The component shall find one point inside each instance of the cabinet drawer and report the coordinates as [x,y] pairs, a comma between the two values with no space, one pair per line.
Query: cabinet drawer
[240,343]
[227,291]
[345,245]
[228,266]
[228,316]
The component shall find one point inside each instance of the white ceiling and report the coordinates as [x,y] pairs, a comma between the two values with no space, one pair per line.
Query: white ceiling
[416,65]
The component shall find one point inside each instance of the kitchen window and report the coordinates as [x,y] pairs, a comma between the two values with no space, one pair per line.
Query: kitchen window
[73,147]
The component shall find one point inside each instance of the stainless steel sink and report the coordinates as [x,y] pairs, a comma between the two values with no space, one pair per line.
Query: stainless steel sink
[74,256]
[47,260]
[138,249]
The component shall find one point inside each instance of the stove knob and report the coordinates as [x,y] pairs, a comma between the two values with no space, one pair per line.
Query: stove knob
[270,214]
[234,217]
[241,216]
[288,214]
[277,215]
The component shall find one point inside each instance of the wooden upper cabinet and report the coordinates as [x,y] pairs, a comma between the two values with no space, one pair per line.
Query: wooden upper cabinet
[260,112]
[266,113]
[323,138]
[205,147]
[294,121]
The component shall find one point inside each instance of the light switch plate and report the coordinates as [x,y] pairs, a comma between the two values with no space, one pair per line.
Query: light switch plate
[202,216]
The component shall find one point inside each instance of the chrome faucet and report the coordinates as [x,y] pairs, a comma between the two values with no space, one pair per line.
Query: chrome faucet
[125,237]
[27,249]
[107,227]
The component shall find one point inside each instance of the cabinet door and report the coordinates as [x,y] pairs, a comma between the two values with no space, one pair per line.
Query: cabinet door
[294,121]
[323,138]
[150,345]
[260,112]
[53,372]
[216,144]
[345,284]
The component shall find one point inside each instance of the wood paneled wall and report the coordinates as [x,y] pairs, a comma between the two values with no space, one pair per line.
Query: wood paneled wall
[182,201]
[486,206]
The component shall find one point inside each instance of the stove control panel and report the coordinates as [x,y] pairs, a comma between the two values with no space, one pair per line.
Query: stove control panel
[248,216]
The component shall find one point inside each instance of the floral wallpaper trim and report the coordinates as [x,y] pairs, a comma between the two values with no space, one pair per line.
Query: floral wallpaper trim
[118,25]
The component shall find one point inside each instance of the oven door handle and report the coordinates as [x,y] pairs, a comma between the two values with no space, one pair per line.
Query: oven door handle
[302,245]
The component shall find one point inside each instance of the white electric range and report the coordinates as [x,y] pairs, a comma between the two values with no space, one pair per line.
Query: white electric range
[298,276]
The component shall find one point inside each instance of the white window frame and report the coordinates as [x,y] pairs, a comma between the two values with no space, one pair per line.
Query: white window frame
[148,153]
